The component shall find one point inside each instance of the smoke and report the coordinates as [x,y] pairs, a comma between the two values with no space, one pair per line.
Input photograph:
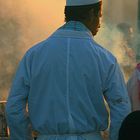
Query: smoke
[122,44]
[110,38]
[9,51]
[23,23]
[116,41]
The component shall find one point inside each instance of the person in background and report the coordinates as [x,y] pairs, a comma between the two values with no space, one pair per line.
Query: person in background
[133,84]
[130,127]
[65,80]
[126,49]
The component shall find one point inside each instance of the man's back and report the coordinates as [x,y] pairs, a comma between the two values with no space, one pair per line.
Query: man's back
[65,80]
[68,74]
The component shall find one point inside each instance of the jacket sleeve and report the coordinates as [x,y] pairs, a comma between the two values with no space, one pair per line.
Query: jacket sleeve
[117,98]
[16,113]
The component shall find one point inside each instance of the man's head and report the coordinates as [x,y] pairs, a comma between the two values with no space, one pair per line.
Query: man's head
[86,11]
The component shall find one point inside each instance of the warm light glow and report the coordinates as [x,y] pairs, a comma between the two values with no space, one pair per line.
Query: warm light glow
[24,23]
[45,14]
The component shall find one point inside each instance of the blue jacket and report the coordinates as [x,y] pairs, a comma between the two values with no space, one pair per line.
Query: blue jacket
[65,80]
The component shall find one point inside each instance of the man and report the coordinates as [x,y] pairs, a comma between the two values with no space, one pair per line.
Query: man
[65,80]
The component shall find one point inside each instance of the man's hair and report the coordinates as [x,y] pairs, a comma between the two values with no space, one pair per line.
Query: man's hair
[81,13]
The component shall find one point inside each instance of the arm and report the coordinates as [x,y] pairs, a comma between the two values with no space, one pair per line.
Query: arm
[16,114]
[117,98]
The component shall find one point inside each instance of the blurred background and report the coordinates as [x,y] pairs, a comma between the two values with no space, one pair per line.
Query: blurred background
[23,23]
